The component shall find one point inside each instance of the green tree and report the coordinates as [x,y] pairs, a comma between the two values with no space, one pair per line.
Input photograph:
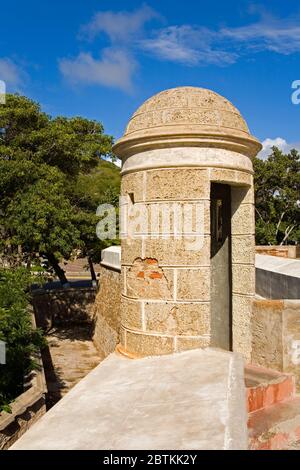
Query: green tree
[22,341]
[100,186]
[48,168]
[277,198]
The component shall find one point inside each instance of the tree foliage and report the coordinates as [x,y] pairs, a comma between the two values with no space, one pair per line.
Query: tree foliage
[52,180]
[277,198]
[22,341]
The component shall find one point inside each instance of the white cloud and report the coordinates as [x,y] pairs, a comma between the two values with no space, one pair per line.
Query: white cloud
[187,45]
[273,34]
[191,45]
[11,74]
[120,26]
[114,69]
[196,45]
[279,142]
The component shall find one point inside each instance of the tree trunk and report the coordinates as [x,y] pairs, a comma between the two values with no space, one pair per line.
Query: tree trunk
[91,266]
[58,270]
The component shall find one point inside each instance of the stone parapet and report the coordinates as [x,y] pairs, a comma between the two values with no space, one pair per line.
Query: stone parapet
[106,311]
[275,331]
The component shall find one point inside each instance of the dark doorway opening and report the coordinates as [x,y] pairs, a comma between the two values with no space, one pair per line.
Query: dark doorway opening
[221,272]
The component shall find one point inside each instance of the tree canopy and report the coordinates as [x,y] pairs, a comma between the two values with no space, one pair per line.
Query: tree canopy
[277,198]
[52,179]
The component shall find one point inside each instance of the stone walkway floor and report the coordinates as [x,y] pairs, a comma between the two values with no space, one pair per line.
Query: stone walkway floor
[70,356]
[190,400]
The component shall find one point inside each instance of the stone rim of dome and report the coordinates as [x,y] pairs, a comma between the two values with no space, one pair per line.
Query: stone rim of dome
[240,142]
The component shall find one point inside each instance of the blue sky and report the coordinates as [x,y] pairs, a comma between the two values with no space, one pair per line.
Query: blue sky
[102,58]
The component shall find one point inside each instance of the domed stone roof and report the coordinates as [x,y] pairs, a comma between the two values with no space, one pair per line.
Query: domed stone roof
[186,106]
[186,112]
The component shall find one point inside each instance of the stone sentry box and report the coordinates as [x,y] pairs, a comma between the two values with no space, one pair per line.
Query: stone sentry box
[188,147]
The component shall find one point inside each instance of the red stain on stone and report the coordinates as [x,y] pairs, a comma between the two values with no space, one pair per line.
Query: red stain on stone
[155,275]
[141,274]
[151,261]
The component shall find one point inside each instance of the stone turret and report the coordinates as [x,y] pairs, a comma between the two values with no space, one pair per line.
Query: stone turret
[187,157]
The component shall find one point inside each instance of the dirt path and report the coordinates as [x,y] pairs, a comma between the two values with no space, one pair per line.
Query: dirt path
[70,356]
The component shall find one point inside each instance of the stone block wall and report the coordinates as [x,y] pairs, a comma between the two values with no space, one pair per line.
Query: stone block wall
[243,268]
[275,329]
[60,306]
[106,312]
[165,296]
[165,284]
[285,251]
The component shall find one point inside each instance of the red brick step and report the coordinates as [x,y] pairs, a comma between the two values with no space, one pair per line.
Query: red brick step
[276,427]
[266,387]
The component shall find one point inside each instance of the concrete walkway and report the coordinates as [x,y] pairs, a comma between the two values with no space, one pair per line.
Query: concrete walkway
[190,400]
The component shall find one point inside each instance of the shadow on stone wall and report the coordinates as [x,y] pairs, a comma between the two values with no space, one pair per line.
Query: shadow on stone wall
[53,307]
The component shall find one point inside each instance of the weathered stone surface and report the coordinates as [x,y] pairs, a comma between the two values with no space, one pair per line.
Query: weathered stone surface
[131,313]
[131,249]
[226,176]
[185,343]
[183,252]
[243,249]
[186,105]
[133,183]
[178,155]
[266,326]
[282,251]
[107,302]
[222,175]
[106,311]
[169,217]
[242,221]
[241,324]
[242,195]
[291,338]
[105,338]
[243,279]
[177,184]
[147,280]
[193,284]
[276,335]
[148,345]
[244,178]
[177,318]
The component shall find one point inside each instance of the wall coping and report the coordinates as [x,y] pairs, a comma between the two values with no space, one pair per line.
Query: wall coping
[276,264]
[111,258]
